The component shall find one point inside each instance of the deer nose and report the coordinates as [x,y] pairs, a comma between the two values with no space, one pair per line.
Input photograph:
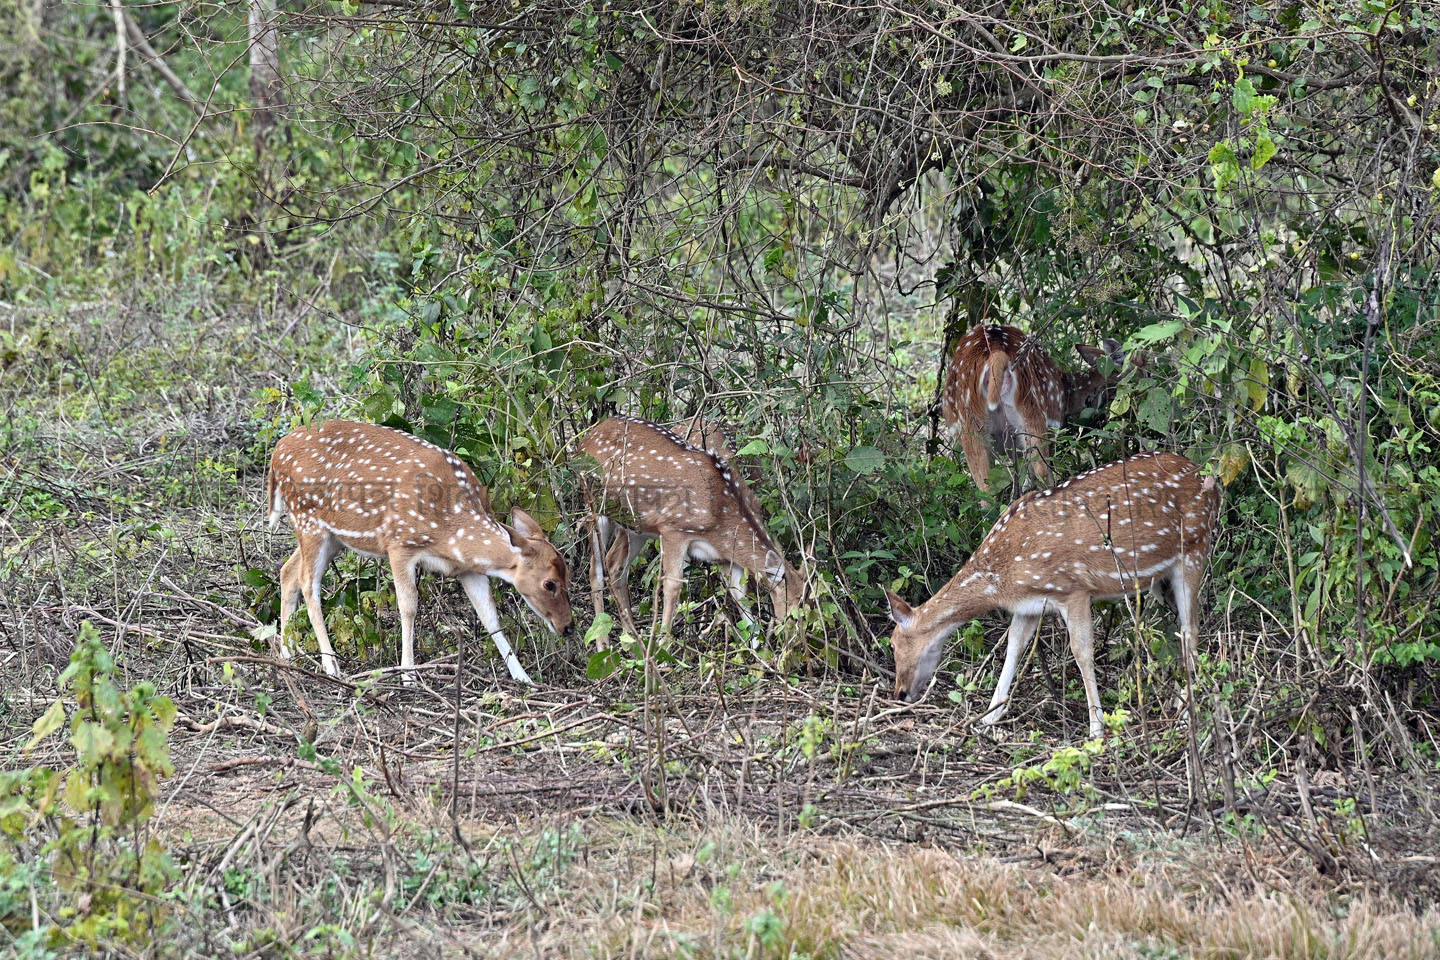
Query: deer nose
[569,631]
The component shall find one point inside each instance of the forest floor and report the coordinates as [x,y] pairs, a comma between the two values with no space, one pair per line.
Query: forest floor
[728,813]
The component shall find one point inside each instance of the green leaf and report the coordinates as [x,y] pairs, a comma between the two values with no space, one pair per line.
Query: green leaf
[440,411]
[153,751]
[600,628]
[92,741]
[1244,96]
[754,446]
[52,720]
[1264,150]
[602,664]
[1223,165]
[863,459]
[1156,332]
[165,712]
[1154,410]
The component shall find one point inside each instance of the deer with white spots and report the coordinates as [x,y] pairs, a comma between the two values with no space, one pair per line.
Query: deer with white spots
[1102,535]
[385,493]
[663,487]
[1001,387]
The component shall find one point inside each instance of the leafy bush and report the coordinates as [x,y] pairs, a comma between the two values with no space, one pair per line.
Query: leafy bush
[79,836]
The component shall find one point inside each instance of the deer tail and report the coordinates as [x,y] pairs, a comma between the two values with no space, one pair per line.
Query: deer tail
[272,497]
[999,366]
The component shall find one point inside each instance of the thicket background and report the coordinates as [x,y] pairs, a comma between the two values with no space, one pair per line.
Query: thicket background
[493,224]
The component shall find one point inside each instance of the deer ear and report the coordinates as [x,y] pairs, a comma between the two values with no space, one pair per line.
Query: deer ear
[1091,354]
[525,524]
[774,567]
[900,611]
[1114,350]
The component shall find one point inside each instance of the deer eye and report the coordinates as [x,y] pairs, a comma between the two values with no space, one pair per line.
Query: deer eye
[549,586]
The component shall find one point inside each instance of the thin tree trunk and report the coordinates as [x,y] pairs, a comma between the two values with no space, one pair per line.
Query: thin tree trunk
[117,12]
[266,93]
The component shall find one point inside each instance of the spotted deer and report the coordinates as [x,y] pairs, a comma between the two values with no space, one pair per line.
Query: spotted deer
[652,484]
[1002,387]
[385,493]
[1102,535]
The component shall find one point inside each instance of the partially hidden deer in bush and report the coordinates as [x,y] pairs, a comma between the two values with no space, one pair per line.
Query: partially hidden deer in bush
[1003,390]
[653,484]
[381,492]
[1104,534]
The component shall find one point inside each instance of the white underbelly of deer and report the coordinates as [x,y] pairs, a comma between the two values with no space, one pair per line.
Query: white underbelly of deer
[703,552]
[1103,535]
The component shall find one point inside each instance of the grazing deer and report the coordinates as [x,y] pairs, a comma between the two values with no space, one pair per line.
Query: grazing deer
[690,499]
[1002,386]
[384,493]
[1102,535]
[713,438]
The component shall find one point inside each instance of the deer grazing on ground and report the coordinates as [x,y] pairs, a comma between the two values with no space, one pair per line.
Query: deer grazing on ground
[385,493]
[1002,387]
[652,484]
[1102,535]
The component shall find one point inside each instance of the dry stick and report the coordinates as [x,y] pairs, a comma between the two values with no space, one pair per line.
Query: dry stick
[187,597]
[1363,755]
[455,746]
[227,723]
[143,631]
[283,665]
[544,734]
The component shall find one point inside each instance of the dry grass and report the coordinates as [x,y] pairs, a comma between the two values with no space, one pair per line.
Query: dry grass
[857,898]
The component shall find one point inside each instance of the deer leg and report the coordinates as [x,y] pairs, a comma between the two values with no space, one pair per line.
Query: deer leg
[672,572]
[407,599]
[618,560]
[291,593]
[1078,623]
[976,444]
[735,584]
[311,572]
[477,588]
[1185,582]
[599,529]
[1022,629]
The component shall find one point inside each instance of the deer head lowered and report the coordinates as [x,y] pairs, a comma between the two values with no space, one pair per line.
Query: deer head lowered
[652,484]
[1001,387]
[1102,535]
[381,492]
